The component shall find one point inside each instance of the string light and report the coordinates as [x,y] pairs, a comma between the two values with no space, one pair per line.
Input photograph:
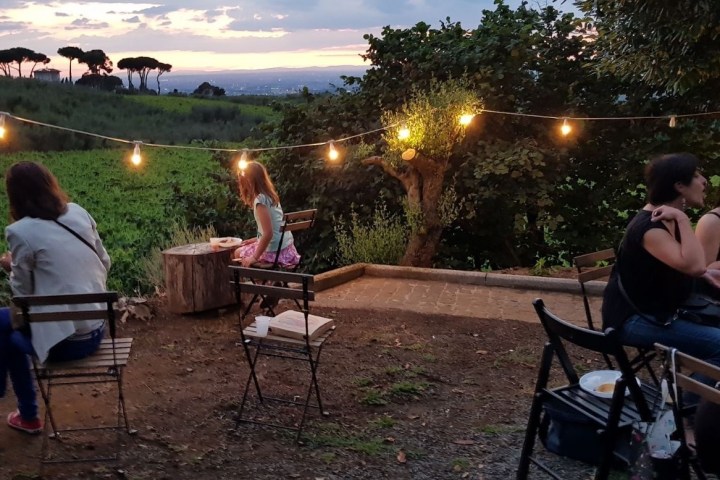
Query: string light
[136,158]
[403,133]
[243,162]
[2,126]
[565,128]
[466,119]
[332,152]
[673,121]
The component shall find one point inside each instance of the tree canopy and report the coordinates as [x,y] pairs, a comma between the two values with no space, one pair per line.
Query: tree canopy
[71,53]
[96,60]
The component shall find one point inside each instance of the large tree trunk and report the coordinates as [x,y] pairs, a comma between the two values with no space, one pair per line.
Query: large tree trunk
[423,183]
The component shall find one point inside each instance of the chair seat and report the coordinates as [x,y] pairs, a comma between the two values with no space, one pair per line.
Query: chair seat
[598,408]
[251,332]
[102,358]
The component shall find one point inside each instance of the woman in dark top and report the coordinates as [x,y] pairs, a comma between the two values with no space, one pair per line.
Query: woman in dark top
[658,261]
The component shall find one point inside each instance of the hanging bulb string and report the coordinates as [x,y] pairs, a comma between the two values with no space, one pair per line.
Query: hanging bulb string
[563,117]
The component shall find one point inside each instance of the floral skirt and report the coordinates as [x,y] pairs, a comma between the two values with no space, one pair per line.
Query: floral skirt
[289,257]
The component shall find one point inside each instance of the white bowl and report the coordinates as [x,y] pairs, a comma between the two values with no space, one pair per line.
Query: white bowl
[590,382]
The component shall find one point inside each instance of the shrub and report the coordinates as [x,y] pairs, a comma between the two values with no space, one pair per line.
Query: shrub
[381,241]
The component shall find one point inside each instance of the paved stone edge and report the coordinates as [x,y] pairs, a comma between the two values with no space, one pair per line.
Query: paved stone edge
[342,275]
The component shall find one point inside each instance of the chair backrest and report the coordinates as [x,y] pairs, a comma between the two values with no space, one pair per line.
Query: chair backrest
[607,343]
[263,282]
[588,270]
[69,307]
[295,222]
[680,368]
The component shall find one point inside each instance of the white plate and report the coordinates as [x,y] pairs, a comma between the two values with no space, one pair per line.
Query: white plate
[230,242]
[590,382]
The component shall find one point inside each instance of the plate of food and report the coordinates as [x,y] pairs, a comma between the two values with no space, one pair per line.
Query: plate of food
[225,242]
[601,383]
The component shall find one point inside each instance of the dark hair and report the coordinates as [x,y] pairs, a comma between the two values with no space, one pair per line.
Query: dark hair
[662,173]
[255,180]
[34,192]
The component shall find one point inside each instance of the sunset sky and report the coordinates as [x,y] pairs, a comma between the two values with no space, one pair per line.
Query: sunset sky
[211,35]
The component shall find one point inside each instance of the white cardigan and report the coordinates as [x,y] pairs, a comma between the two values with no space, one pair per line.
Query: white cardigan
[49,260]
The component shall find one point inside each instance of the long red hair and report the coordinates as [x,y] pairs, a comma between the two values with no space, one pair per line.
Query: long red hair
[255,180]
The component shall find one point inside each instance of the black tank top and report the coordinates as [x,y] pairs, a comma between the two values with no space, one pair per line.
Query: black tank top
[653,287]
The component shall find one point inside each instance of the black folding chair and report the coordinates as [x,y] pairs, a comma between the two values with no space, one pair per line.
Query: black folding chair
[680,367]
[304,345]
[293,222]
[588,270]
[612,416]
[104,366]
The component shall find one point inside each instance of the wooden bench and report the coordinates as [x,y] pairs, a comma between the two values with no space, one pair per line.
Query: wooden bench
[102,358]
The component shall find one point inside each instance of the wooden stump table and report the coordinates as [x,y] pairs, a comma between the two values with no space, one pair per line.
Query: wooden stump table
[197,278]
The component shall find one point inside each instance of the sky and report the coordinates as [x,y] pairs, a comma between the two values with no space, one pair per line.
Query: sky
[214,35]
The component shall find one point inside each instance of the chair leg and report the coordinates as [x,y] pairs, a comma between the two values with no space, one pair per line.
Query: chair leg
[252,376]
[121,403]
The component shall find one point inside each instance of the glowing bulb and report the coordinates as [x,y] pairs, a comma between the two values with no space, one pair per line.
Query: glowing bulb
[466,119]
[136,159]
[243,162]
[332,152]
[403,133]
[565,129]
[2,126]
[673,121]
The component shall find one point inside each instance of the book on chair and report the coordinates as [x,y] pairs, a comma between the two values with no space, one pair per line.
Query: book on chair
[291,324]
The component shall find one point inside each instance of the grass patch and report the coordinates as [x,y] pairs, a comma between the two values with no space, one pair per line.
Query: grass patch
[373,398]
[362,382]
[407,389]
[460,464]
[501,429]
[521,355]
[371,447]
[383,422]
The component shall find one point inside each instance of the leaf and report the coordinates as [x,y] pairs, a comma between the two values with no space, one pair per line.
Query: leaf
[401,457]
[463,442]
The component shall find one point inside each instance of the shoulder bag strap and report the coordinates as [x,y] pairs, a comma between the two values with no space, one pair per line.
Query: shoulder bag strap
[79,237]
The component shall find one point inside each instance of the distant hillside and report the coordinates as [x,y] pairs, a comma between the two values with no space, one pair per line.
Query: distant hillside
[164,119]
[274,81]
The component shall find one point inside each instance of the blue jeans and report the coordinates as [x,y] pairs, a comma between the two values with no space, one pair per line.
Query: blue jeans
[14,350]
[700,341]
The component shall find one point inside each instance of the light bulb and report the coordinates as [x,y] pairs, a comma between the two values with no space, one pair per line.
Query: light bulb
[332,152]
[243,162]
[673,121]
[565,129]
[2,126]
[403,133]
[136,159]
[466,119]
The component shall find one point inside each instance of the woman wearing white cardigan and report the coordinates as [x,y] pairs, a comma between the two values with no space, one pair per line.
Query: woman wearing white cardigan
[54,249]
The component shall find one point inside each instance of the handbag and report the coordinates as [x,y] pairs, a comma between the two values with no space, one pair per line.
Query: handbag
[699,309]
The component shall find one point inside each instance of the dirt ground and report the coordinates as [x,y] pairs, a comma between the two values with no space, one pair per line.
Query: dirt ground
[408,396]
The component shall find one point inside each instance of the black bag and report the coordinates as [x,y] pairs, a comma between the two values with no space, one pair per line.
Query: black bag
[699,309]
[567,433]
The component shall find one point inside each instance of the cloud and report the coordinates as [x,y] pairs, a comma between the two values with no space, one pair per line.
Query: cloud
[134,19]
[86,23]
[62,14]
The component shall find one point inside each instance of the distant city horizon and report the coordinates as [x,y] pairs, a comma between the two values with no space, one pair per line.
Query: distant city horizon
[268,81]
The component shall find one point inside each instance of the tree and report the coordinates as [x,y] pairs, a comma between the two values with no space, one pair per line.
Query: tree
[71,53]
[162,68]
[7,58]
[672,46]
[21,55]
[420,161]
[206,89]
[96,60]
[37,58]
[131,65]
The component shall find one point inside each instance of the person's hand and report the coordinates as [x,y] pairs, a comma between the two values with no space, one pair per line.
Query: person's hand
[248,241]
[248,261]
[6,261]
[712,276]
[666,212]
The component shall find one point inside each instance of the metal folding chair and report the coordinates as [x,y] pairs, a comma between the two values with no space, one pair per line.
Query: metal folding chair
[612,416]
[104,366]
[680,367]
[588,270]
[305,347]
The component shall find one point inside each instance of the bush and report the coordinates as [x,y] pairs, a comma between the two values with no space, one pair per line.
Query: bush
[381,241]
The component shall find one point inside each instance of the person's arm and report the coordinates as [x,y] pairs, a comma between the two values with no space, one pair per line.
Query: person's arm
[708,233]
[686,256]
[23,264]
[99,247]
[263,214]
